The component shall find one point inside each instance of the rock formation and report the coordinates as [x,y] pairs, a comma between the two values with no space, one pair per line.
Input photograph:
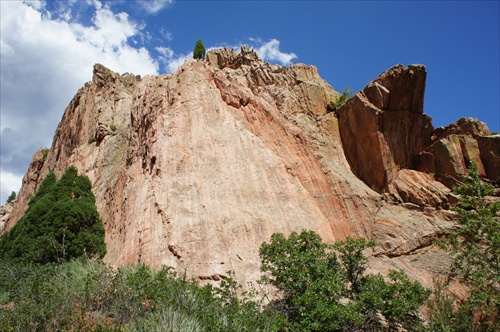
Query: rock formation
[383,127]
[196,169]
[456,146]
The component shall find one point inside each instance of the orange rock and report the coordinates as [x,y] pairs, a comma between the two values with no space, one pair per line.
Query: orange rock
[203,165]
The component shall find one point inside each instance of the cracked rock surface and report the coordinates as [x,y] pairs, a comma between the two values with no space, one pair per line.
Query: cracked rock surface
[203,165]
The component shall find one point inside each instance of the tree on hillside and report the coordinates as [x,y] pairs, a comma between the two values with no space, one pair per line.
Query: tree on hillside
[325,288]
[61,223]
[199,50]
[11,197]
[475,248]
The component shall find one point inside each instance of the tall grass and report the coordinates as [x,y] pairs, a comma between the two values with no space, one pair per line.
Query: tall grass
[91,296]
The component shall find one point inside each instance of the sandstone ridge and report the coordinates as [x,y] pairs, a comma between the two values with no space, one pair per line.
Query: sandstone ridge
[196,169]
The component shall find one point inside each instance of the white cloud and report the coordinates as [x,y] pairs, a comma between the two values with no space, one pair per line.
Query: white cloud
[270,52]
[267,51]
[170,60]
[10,182]
[47,55]
[44,63]
[166,34]
[154,6]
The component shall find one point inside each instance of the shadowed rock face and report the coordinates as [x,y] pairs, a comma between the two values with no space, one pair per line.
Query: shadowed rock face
[388,141]
[383,127]
[456,146]
[196,169]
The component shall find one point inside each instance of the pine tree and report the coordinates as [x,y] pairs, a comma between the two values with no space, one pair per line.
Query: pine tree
[61,223]
[11,197]
[199,50]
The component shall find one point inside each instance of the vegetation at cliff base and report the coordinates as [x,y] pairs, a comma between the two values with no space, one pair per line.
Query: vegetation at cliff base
[199,50]
[91,296]
[475,248]
[326,288]
[61,223]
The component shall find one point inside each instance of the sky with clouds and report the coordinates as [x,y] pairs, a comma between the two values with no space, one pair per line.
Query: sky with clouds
[48,49]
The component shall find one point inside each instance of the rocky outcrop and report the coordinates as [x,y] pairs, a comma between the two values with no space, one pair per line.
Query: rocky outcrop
[383,127]
[392,146]
[458,145]
[196,169]
[31,180]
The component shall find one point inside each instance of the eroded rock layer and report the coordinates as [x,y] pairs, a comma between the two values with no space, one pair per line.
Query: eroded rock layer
[196,169]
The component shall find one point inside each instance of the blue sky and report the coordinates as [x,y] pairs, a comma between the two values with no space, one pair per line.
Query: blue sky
[48,50]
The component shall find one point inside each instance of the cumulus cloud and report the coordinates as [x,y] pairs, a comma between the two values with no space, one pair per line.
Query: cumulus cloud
[170,60]
[48,49]
[270,51]
[267,51]
[154,6]
[45,61]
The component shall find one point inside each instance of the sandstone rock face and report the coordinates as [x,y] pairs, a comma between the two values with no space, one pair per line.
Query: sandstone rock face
[31,181]
[383,127]
[196,169]
[421,189]
[458,145]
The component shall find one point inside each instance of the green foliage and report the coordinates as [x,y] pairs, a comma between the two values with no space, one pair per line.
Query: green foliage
[443,313]
[199,50]
[347,93]
[61,223]
[91,139]
[325,288]
[112,127]
[45,153]
[91,296]
[11,197]
[475,247]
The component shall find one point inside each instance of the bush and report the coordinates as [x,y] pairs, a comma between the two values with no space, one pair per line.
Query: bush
[45,153]
[61,223]
[340,100]
[475,248]
[325,288]
[91,296]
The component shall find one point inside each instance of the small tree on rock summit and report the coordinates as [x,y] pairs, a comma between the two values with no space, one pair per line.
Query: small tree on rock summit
[199,50]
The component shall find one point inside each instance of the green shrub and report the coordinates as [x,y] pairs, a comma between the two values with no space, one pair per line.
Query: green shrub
[347,93]
[475,248]
[112,127]
[91,296]
[61,223]
[45,153]
[325,288]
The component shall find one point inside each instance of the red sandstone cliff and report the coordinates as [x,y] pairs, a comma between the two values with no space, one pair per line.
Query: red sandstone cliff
[196,169]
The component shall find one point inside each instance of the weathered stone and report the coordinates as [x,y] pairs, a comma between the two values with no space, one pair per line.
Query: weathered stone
[6,213]
[383,127]
[31,181]
[208,162]
[420,189]
[456,147]
[489,148]
[464,126]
